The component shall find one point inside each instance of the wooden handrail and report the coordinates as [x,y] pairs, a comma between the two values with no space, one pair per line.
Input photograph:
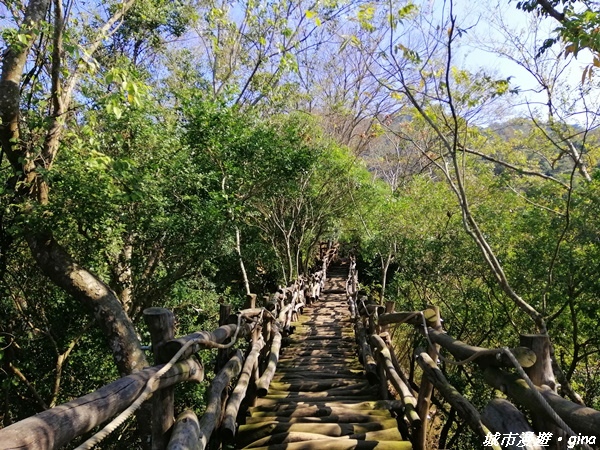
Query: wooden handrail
[56,427]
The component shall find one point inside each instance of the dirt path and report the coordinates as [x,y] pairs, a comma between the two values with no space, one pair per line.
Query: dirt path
[320,398]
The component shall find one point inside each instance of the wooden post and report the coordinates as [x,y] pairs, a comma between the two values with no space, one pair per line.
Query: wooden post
[161,324]
[250,301]
[464,408]
[541,374]
[426,388]
[366,355]
[502,416]
[222,353]
[267,334]
[186,432]
[391,375]
[384,392]
[389,309]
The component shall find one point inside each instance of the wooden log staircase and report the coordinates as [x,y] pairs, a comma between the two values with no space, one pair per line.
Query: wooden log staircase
[312,393]
[320,397]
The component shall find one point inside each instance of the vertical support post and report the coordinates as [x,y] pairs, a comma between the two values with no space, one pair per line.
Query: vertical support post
[222,353]
[432,316]
[389,308]
[541,374]
[161,324]
[251,301]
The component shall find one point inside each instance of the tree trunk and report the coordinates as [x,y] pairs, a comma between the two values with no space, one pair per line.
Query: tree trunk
[95,295]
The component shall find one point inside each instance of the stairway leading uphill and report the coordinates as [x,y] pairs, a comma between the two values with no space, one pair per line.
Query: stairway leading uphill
[320,398]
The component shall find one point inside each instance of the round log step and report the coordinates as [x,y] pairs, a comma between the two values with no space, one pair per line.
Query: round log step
[320,398]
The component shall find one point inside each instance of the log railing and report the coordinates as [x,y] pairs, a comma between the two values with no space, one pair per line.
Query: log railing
[523,374]
[263,329]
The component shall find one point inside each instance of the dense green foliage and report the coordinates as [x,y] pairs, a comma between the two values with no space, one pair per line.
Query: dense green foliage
[186,173]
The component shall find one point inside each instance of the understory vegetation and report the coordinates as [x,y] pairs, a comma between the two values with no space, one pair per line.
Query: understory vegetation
[186,153]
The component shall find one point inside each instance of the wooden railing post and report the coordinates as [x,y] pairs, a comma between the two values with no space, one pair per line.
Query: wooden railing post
[541,374]
[250,301]
[389,309]
[161,324]
[426,388]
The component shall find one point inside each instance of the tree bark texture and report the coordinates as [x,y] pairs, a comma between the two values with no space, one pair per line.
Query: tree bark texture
[186,432]
[503,417]
[262,385]
[212,415]
[581,419]
[464,408]
[58,426]
[233,404]
[97,296]
[410,402]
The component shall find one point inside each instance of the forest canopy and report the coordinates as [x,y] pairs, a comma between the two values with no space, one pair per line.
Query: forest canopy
[186,153]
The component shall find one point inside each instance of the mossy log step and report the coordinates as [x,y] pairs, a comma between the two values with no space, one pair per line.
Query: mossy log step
[310,344]
[310,360]
[308,378]
[301,361]
[316,385]
[320,352]
[372,405]
[320,317]
[331,351]
[252,432]
[324,334]
[391,434]
[321,394]
[338,369]
[324,368]
[316,411]
[342,398]
[331,372]
[316,364]
[340,444]
[335,418]
[298,337]
[289,376]
[289,372]
[317,338]
[327,338]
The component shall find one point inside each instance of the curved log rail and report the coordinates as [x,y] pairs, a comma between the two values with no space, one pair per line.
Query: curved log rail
[319,371]
[319,396]
[262,327]
[531,361]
